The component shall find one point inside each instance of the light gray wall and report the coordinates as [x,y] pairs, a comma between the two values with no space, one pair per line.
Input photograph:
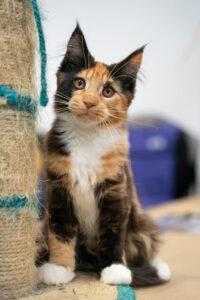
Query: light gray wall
[171,66]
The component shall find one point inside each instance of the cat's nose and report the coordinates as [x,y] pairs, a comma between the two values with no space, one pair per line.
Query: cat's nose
[89,104]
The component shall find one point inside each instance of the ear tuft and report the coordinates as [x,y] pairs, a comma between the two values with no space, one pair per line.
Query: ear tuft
[77,55]
[130,65]
[137,56]
[77,46]
[126,72]
[78,28]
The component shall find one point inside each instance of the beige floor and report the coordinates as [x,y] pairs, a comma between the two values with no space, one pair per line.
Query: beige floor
[180,250]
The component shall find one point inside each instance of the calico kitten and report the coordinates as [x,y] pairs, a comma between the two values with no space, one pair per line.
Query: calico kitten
[95,220]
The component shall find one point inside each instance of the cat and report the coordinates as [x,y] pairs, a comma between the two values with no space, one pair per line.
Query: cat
[95,221]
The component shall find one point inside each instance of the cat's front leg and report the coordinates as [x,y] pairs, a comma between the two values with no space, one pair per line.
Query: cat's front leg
[114,210]
[61,240]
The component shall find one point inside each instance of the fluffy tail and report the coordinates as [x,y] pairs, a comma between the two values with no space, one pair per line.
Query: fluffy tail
[151,273]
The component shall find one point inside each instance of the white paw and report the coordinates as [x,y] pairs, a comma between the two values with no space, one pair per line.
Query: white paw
[54,274]
[162,268]
[116,274]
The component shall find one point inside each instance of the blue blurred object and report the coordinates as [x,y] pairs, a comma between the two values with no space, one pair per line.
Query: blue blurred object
[189,223]
[41,193]
[158,161]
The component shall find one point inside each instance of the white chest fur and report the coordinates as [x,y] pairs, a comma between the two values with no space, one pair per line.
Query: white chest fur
[86,149]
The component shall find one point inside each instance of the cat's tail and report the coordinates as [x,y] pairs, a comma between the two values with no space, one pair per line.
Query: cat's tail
[151,273]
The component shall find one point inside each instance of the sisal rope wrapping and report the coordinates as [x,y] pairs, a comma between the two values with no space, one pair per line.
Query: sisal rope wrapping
[17,270]
[18,44]
[18,150]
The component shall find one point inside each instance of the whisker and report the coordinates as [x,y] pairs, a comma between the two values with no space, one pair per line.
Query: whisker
[126,75]
[109,126]
[60,93]
[113,128]
[113,69]
[130,121]
[116,117]
[111,115]
[113,110]
[120,67]
[61,102]
[106,124]
[100,127]
[62,97]
[142,124]
[117,110]
[61,110]
[138,72]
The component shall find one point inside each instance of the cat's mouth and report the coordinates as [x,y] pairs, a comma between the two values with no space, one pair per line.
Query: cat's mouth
[85,113]
[88,115]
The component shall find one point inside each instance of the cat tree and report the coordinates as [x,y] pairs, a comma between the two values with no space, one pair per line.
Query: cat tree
[19,23]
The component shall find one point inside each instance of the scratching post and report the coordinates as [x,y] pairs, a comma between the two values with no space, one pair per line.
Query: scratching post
[19,22]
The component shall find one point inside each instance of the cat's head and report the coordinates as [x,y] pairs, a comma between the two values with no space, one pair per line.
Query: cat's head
[93,92]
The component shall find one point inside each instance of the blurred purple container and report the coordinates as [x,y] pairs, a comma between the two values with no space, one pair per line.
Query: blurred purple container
[153,154]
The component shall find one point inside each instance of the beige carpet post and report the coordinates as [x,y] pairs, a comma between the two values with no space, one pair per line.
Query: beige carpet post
[18,149]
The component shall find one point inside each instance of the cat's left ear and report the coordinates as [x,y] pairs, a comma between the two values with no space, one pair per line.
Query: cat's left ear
[131,64]
[126,71]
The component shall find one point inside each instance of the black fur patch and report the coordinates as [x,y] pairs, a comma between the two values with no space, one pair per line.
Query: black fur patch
[62,220]
[114,210]
[127,82]
[55,143]
[52,176]
[86,260]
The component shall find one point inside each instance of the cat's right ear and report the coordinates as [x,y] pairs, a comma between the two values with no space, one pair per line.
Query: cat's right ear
[77,56]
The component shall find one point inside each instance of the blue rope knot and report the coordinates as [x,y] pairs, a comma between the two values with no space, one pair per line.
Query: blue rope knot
[14,201]
[19,101]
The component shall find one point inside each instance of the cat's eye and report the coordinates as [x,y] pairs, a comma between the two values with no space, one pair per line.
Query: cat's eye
[108,91]
[79,83]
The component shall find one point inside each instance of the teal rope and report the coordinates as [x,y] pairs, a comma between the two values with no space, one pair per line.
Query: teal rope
[21,102]
[14,201]
[43,55]
[125,292]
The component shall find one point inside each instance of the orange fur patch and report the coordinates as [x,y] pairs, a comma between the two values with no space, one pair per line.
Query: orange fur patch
[62,253]
[59,164]
[113,161]
[137,59]
[97,74]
